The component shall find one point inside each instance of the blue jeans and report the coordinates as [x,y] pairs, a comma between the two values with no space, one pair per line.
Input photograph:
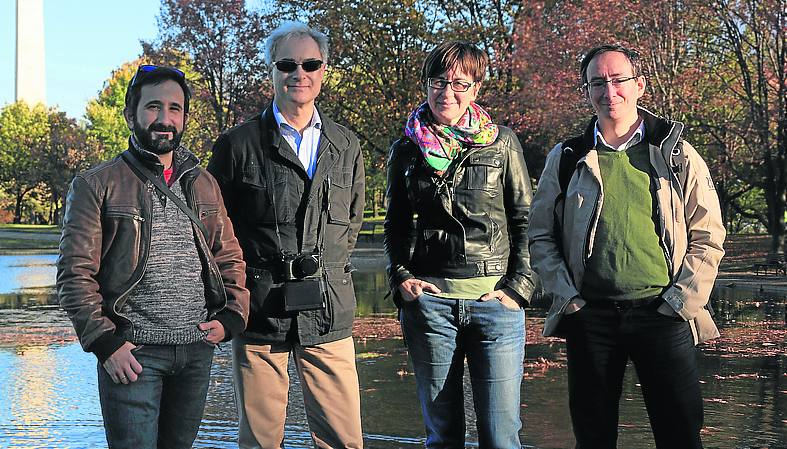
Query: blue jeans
[440,333]
[163,408]
[600,340]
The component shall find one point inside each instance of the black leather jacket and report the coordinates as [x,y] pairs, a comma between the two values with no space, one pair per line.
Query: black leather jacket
[326,210]
[471,222]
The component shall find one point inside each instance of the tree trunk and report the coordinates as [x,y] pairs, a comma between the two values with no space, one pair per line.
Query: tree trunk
[18,207]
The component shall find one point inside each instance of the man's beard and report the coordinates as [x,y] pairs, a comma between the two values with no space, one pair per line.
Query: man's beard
[157,146]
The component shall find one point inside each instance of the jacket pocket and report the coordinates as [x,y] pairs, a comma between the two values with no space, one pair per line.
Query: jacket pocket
[340,191]
[340,309]
[122,228]
[258,194]
[482,172]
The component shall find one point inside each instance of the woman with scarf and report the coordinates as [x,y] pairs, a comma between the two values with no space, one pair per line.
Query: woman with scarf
[462,292]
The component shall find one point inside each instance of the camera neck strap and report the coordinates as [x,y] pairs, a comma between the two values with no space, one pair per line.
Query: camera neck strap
[144,174]
[267,160]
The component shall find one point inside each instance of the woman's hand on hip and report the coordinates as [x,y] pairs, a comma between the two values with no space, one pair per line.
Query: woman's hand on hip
[413,288]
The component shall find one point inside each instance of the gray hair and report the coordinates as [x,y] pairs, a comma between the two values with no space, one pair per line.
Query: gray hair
[290,29]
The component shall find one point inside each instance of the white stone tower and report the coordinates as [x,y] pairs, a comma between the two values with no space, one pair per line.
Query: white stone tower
[30,68]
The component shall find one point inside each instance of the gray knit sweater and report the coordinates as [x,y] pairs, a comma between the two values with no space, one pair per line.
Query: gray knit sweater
[169,301]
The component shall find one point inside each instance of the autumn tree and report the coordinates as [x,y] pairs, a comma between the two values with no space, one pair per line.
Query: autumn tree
[221,40]
[372,82]
[752,38]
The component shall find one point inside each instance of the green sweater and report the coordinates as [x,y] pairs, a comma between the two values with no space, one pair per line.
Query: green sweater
[627,261]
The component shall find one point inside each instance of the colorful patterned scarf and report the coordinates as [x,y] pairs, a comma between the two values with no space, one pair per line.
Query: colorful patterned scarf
[440,144]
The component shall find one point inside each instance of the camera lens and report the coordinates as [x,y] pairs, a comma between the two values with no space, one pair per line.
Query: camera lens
[307,265]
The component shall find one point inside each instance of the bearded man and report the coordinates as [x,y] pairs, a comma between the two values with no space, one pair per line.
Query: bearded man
[150,272]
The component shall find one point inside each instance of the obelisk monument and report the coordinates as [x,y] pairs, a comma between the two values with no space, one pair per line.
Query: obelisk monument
[30,68]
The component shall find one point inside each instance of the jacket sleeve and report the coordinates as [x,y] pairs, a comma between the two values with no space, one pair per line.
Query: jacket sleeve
[546,258]
[358,194]
[398,224]
[705,229]
[229,258]
[77,267]
[517,197]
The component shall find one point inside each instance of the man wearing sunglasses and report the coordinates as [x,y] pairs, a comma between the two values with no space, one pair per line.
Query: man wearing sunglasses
[626,235]
[293,184]
[150,271]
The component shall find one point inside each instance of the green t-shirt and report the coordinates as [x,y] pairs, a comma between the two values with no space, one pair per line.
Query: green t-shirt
[627,261]
[471,288]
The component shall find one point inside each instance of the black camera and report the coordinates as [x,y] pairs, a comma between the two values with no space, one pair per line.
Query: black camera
[299,266]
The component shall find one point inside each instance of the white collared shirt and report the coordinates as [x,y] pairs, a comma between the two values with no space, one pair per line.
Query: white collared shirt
[635,138]
[306,145]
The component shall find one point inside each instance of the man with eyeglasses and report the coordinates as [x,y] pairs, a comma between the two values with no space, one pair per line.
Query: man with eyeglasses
[150,271]
[626,234]
[293,184]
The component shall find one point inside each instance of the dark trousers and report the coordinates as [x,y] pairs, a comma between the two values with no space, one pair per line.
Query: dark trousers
[163,408]
[600,339]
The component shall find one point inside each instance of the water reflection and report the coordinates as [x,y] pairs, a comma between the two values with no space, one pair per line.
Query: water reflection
[53,402]
[34,272]
[732,305]
[48,383]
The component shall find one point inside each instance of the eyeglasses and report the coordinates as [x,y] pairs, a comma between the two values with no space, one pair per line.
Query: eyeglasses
[145,69]
[288,66]
[600,84]
[456,85]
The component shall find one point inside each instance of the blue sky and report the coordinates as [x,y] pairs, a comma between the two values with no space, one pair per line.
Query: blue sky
[85,40]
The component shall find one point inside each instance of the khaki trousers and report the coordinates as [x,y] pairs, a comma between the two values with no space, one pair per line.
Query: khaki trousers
[330,392]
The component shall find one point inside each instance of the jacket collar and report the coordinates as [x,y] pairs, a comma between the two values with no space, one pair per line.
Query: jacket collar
[182,159]
[332,142]
[660,132]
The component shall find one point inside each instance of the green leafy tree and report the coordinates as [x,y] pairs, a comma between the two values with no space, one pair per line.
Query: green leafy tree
[105,112]
[68,151]
[23,132]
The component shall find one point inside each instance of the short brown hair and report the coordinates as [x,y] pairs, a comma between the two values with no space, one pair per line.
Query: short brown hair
[456,54]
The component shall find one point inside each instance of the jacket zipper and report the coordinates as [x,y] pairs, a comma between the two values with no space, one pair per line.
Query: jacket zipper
[212,268]
[134,217]
[451,198]
[149,229]
[592,223]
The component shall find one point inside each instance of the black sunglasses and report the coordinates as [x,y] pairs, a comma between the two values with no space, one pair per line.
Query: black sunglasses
[288,66]
[145,69]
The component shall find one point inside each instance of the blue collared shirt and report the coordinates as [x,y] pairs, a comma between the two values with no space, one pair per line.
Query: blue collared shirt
[635,138]
[305,145]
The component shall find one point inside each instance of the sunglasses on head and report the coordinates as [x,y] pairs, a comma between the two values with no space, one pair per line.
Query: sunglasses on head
[147,68]
[288,66]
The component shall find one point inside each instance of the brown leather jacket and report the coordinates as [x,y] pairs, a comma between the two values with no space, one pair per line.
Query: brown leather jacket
[106,240]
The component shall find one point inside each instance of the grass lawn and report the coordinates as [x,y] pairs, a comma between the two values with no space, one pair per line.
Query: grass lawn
[12,243]
[39,229]
[29,237]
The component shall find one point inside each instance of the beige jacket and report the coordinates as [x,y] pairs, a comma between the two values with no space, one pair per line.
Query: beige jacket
[691,227]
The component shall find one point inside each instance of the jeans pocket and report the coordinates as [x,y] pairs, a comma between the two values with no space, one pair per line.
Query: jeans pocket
[513,309]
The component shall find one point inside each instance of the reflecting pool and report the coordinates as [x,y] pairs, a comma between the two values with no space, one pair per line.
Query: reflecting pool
[48,384]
